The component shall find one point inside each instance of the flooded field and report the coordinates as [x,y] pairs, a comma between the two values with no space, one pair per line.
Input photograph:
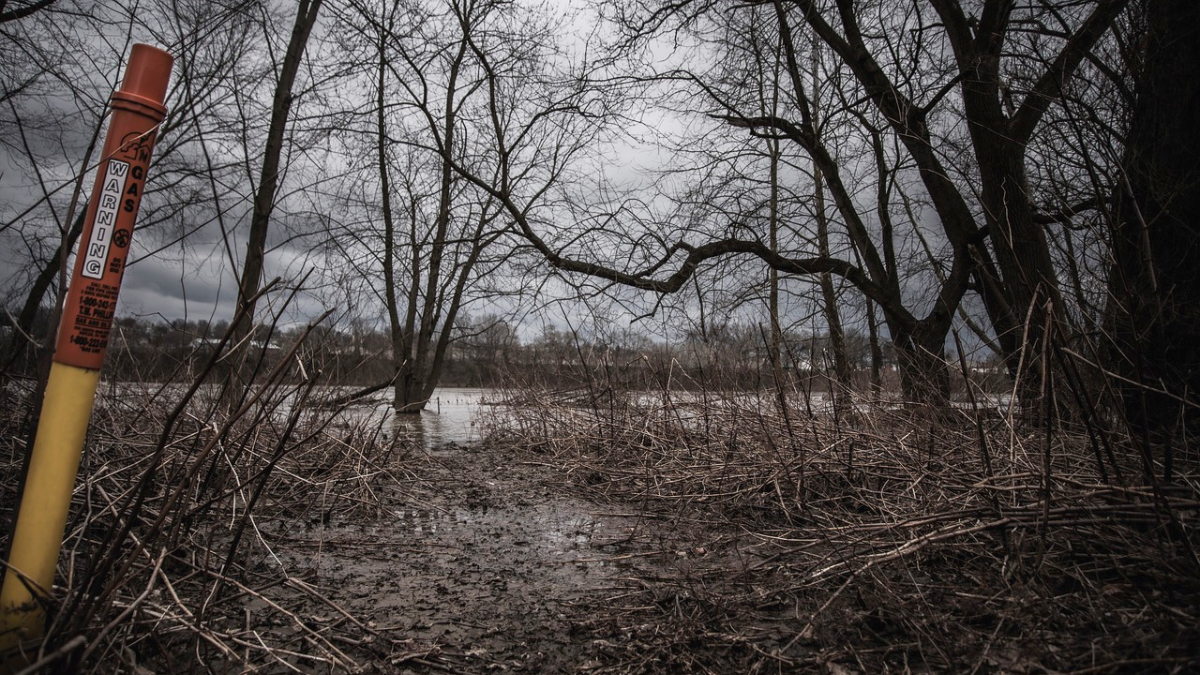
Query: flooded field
[638,534]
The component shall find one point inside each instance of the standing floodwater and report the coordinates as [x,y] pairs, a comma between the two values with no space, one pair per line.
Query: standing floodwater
[450,417]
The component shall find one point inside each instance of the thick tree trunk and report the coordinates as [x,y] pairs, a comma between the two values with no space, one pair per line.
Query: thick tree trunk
[1154,318]
[1027,290]
[920,348]
[411,396]
[920,356]
[1022,256]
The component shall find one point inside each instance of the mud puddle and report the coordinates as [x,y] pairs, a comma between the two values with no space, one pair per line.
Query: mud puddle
[473,568]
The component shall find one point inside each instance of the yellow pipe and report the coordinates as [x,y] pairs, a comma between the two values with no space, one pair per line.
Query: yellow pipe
[137,109]
[70,393]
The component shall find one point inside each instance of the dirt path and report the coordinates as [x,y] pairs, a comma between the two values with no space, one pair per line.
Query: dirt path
[487,563]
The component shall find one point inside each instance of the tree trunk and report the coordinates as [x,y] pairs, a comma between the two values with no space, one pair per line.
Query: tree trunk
[920,356]
[1028,285]
[410,398]
[775,346]
[1023,258]
[776,341]
[841,385]
[1154,316]
[264,199]
[404,399]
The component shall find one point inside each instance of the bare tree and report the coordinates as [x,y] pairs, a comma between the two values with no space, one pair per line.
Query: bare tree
[440,76]
[920,71]
[269,174]
[879,277]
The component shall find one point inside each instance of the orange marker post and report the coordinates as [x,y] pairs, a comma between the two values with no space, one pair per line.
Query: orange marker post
[137,109]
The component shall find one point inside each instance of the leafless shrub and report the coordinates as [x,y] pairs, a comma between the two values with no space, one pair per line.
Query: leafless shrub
[954,540]
[182,492]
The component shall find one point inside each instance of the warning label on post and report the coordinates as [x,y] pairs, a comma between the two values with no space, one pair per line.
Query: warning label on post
[95,252]
[100,264]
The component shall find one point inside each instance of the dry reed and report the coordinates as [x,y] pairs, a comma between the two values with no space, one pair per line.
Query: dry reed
[168,557]
[887,538]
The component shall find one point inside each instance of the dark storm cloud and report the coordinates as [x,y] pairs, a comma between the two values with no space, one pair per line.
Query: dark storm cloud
[177,288]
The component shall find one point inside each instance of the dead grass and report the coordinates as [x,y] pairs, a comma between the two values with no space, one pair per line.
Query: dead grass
[164,555]
[882,539]
[891,539]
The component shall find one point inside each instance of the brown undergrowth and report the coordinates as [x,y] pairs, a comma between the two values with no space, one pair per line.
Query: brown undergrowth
[881,538]
[163,558]
[770,533]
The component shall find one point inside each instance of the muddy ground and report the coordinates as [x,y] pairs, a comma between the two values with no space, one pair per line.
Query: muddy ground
[632,544]
[623,557]
[488,561]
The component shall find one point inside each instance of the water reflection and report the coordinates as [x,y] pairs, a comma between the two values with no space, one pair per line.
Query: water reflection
[555,526]
[407,430]
[450,417]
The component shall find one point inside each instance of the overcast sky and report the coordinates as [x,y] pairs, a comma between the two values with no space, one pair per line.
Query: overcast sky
[195,279]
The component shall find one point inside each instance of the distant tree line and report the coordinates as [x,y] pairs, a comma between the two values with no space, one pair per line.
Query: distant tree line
[490,353]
